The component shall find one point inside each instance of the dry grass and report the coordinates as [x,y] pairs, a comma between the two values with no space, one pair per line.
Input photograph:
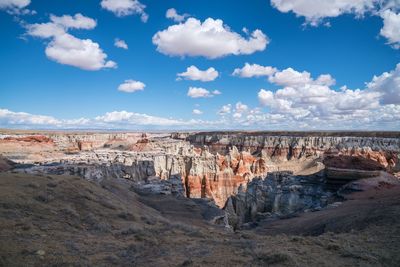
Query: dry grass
[67,221]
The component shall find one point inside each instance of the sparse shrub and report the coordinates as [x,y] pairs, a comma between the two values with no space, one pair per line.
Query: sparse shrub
[33,185]
[69,212]
[52,185]
[188,262]
[127,216]
[188,229]
[273,257]
[44,197]
[130,230]
[148,220]
[95,224]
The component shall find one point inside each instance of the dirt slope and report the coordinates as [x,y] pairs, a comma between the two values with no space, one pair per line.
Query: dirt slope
[68,221]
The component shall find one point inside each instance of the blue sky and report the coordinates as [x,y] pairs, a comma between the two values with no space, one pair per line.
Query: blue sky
[350,44]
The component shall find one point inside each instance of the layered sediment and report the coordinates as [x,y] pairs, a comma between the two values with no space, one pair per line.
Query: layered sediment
[210,165]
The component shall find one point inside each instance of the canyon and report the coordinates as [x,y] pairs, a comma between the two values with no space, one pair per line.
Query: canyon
[201,198]
[210,165]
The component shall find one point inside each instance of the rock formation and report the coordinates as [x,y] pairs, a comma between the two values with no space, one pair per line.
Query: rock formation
[210,165]
[278,194]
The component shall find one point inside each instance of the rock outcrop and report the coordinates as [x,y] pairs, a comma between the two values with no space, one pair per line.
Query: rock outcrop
[210,165]
[291,146]
[6,164]
[340,170]
[278,194]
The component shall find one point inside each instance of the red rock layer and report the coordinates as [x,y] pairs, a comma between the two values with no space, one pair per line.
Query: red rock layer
[31,139]
[219,177]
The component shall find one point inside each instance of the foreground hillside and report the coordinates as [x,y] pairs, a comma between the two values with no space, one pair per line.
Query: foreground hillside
[50,220]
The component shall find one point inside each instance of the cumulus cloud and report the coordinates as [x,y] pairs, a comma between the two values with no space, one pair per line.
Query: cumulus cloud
[122,8]
[315,11]
[388,85]
[15,7]
[265,97]
[391,27]
[194,74]
[225,109]
[304,102]
[78,21]
[114,120]
[125,117]
[10,118]
[197,112]
[120,44]
[173,14]
[130,86]
[253,70]
[85,54]
[240,107]
[198,92]
[210,39]
[67,49]
[109,120]
[216,92]
[291,77]
[313,100]
[286,77]
[14,3]
[240,110]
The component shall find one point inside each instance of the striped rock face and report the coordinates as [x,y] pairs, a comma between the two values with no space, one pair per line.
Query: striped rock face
[211,165]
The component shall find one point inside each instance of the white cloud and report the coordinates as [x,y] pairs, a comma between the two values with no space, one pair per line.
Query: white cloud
[122,8]
[130,86]
[253,70]
[82,53]
[198,92]
[125,117]
[388,85]
[265,97]
[197,112]
[238,113]
[194,74]
[120,44]
[216,92]
[240,107]
[210,39]
[9,118]
[225,109]
[173,14]
[16,7]
[45,30]
[110,120]
[315,11]
[4,4]
[67,49]
[291,77]
[303,98]
[115,119]
[391,27]
[74,22]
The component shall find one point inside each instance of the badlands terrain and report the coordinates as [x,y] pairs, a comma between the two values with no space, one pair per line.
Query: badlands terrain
[199,198]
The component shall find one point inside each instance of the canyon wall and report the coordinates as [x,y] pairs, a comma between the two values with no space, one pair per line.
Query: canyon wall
[280,194]
[211,165]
